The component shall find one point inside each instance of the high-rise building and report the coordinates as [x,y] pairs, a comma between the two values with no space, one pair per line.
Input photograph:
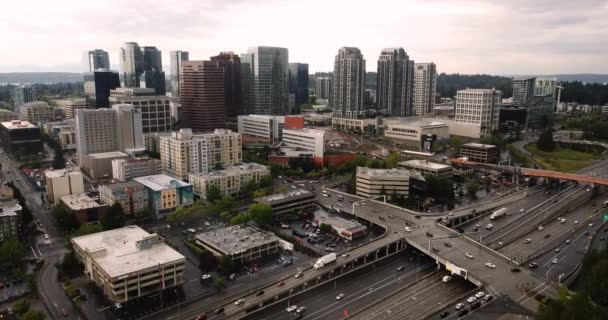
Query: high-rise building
[153,75]
[323,86]
[185,153]
[130,133]
[97,60]
[349,83]
[36,112]
[479,107]
[232,81]
[152,59]
[538,96]
[61,183]
[96,131]
[298,83]
[177,58]
[131,64]
[425,88]
[155,109]
[202,96]
[70,105]
[269,80]
[23,93]
[523,89]
[395,83]
[247,82]
[97,86]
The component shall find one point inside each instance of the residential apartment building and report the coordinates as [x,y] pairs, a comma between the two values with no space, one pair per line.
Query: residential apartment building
[177,58]
[202,96]
[377,182]
[96,131]
[128,263]
[62,182]
[184,153]
[83,208]
[478,152]
[425,88]
[395,82]
[478,107]
[166,193]
[131,195]
[265,80]
[97,60]
[349,83]
[36,112]
[10,221]
[155,109]
[62,131]
[260,129]
[19,136]
[127,169]
[229,180]
[69,106]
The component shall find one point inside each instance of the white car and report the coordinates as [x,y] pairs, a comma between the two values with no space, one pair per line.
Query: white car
[239,301]
[46,236]
[567,241]
[301,309]
[291,308]
[446,279]
[480,294]
[345,254]
[522,210]
[541,228]
[562,220]
[459,306]
[471,299]
[299,274]
[206,276]
[490,265]
[293,187]
[408,229]
[489,226]
[575,221]
[590,225]
[468,255]
[207,223]
[528,240]
[557,249]
[340,296]
[555,261]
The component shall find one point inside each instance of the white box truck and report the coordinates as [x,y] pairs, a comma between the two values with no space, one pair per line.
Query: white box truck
[498,213]
[326,259]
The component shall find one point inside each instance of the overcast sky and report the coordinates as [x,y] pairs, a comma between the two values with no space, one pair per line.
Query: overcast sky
[465,36]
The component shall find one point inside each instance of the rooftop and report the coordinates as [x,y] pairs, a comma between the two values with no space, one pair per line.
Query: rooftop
[423,164]
[284,195]
[393,173]
[10,209]
[233,170]
[322,216]
[17,124]
[160,182]
[106,155]
[80,202]
[235,239]
[60,173]
[121,186]
[120,251]
[309,131]
[35,104]
[421,122]
[479,145]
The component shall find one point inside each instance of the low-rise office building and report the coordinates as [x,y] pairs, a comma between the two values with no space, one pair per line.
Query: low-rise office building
[347,229]
[260,130]
[20,137]
[240,243]
[478,152]
[166,193]
[427,168]
[10,220]
[84,208]
[229,180]
[99,165]
[63,131]
[61,183]
[37,112]
[378,182]
[416,132]
[7,115]
[69,106]
[288,201]
[359,126]
[130,168]
[129,263]
[132,196]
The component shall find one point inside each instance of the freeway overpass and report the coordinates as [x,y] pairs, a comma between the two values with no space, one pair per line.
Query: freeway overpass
[393,219]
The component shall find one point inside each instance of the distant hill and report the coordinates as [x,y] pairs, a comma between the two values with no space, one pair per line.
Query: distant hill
[39,77]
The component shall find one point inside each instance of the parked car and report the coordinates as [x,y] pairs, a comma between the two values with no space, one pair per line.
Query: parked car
[459,306]
[291,308]
[340,296]
[239,301]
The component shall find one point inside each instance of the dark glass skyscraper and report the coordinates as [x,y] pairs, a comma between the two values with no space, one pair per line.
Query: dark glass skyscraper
[97,86]
[202,96]
[298,83]
[232,82]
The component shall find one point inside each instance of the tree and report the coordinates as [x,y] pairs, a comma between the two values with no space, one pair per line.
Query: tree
[21,306]
[325,228]
[87,229]
[70,266]
[258,193]
[225,264]
[472,188]
[32,315]
[219,282]
[240,219]
[545,141]
[213,193]
[208,261]
[58,159]
[575,306]
[63,218]
[12,253]
[266,181]
[392,160]
[114,218]
[261,213]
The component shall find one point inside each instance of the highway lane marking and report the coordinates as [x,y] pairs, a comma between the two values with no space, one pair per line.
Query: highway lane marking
[565,249]
[533,296]
[533,289]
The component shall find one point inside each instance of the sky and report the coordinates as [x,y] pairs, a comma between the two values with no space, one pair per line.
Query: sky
[461,36]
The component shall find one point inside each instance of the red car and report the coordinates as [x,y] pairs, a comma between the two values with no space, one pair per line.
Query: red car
[281,284]
[201,316]
[65,312]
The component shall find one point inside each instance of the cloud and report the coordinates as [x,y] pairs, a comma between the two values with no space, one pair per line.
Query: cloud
[467,36]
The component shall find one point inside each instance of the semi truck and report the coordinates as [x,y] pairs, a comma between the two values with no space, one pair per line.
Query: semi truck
[326,259]
[498,213]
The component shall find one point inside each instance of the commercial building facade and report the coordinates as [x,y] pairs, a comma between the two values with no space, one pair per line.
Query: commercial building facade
[99,165]
[298,84]
[378,182]
[479,107]
[131,195]
[395,82]
[23,93]
[131,64]
[233,91]
[311,140]
[83,208]
[155,109]
[240,243]
[259,130]
[62,182]
[10,221]
[36,112]
[266,80]
[477,152]
[185,153]
[97,60]
[202,96]
[347,229]
[229,180]
[288,201]
[349,83]
[415,132]
[69,106]
[129,263]
[127,169]
[20,137]
[177,58]
[166,193]
[427,167]
[323,87]
[425,88]
[97,86]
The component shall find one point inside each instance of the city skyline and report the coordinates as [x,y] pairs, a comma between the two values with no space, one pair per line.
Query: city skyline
[460,36]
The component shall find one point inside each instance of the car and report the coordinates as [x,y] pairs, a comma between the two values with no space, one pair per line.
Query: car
[418,216]
[533,265]
[390,216]
[444,314]
[463,312]
[202,316]
[562,220]
[469,255]
[557,249]
[471,299]
[490,265]
[206,276]
[259,293]
[291,308]
[590,225]
[547,235]
[408,229]
[475,305]
[428,234]
[447,244]
[239,301]
[522,210]
[46,236]
[515,270]
[435,249]
[489,226]
[459,306]
[487,297]
[301,309]
[345,254]
[299,274]
[207,223]
[280,284]
[528,240]
[446,279]
[575,222]
[340,296]
[293,187]
[329,249]
[218,311]
[555,261]
[381,218]
[400,268]
[480,294]
[65,312]
[117,305]
[567,241]
[541,228]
